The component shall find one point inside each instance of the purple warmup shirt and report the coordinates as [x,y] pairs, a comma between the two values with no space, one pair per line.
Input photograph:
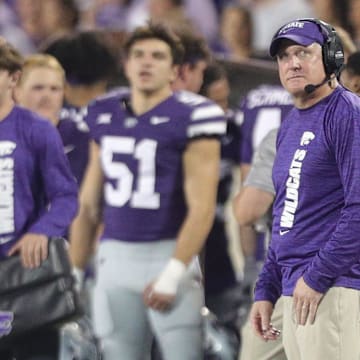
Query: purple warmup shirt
[74,133]
[38,193]
[141,158]
[316,226]
[262,109]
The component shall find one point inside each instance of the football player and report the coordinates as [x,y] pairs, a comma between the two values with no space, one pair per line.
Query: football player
[152,180]
[262,110]
[89,65]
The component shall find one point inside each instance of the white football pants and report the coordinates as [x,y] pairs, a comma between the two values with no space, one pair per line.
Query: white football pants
[122,321]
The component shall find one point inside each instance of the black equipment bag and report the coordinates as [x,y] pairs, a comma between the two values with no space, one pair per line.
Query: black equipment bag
[33,298]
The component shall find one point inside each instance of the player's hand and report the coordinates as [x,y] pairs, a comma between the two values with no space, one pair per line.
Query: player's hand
[306,301]
[260,319]
[33,249]
[156,300]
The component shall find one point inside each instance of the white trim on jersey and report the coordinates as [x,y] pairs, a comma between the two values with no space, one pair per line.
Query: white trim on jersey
[206,112]
[218,128]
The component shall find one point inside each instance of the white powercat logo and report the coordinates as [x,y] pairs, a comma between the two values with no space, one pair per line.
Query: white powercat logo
[307,137]
[7,147]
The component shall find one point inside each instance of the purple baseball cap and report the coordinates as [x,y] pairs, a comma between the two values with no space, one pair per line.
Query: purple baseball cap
[303,32]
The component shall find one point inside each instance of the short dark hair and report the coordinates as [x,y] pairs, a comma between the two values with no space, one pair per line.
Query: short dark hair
[10,58]
[213,72]
[353,63]
[195,47]
[84,57]
[160,32]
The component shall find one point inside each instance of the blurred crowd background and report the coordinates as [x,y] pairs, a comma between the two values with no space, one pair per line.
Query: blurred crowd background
[237,31]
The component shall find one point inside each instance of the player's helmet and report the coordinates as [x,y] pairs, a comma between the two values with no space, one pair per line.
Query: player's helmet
[78,342]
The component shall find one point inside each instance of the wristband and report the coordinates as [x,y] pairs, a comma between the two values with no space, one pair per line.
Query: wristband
[168,281]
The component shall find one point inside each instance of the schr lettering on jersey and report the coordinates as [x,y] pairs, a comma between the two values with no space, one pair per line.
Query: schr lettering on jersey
[7,196]
[264,97]
[292,190]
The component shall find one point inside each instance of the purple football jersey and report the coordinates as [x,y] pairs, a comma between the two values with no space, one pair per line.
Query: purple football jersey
[38,191]
[316,211]
[75,136]
[262,110]
[141,159]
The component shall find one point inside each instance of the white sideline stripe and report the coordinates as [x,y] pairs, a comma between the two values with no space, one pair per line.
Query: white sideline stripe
[206,112]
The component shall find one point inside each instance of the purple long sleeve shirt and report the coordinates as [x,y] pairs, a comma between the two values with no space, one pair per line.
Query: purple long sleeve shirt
[38,193]
[316,214]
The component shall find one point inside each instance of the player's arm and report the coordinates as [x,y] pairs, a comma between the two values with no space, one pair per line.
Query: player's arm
[83,229]
[247,232]
[201,171]
[251,204]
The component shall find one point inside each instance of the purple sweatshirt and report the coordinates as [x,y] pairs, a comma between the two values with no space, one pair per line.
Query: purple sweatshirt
[38,193]
[316,214]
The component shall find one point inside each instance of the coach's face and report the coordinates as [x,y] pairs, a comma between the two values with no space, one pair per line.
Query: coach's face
[299,66]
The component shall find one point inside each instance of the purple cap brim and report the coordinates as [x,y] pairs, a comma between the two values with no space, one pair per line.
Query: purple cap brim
[301,40]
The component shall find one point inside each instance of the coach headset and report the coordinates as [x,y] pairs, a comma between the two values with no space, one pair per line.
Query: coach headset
[332,49]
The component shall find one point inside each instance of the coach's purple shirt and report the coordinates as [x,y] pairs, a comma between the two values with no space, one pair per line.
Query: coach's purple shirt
[316,227]
[141,158]
[38,193]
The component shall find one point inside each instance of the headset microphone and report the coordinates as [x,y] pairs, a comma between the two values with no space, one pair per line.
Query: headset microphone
[310,88]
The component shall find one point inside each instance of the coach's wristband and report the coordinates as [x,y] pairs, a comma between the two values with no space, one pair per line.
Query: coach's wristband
[168,281]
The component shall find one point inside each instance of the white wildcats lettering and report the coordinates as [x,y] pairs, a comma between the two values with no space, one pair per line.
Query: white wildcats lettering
[293,183]
[292,190]
[7,223]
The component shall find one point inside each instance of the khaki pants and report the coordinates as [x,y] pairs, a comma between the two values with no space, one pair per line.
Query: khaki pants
[253,348]
[335,334]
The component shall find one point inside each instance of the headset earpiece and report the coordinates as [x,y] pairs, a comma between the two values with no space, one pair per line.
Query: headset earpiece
[332,49]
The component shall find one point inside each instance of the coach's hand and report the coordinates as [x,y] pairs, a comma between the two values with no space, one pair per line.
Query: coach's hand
[260,319]
[306,302]
[33,249]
